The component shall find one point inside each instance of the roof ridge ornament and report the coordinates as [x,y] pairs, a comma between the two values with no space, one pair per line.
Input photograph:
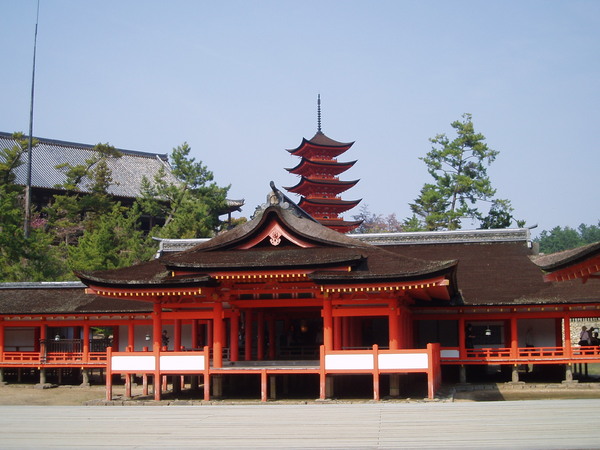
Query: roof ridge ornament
[319,113]
[278,198]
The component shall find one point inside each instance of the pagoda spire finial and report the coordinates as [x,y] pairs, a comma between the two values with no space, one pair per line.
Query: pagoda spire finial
[319,113]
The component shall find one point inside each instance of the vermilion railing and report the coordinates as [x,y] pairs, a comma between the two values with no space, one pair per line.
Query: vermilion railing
[448,355]
[521,354]
[53,358]
[21,357]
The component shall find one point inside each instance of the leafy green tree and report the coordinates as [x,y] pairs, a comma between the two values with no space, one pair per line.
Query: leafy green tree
[22,259]
[87,196]
[559,239]
[460,181]
[11,158]
[412,224]
[589,233]
[115,241]
[500,215]
[191,205]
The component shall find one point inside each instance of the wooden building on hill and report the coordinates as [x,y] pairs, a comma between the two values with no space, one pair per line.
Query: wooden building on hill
[127,172]
[283,305]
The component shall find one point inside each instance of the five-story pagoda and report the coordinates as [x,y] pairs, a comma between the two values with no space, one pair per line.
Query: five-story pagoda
[319,185]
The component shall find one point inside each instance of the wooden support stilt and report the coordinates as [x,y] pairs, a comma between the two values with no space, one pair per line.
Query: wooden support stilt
[128,385]
[263,385]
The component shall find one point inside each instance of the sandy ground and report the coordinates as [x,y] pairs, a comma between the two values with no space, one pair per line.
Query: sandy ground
[28,394]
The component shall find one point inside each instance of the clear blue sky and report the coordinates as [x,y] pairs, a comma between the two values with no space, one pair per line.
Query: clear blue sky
[238,81]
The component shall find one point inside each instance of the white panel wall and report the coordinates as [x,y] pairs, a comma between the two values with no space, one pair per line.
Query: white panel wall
[349,362]
[132,363]
[403,361]
[182,362]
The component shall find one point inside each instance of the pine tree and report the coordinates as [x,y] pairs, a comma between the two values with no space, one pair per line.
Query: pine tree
[115,241]
[461,182]
[190,206]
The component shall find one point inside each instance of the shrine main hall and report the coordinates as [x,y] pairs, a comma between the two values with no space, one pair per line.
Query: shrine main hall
[289,305]
[285,306]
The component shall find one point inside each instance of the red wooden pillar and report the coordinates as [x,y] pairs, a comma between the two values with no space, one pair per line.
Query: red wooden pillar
[86,342]
[514,337]
[394,326]
[248,335]
[337,333]
[109,389]
[263,385]
[156,347]
[157,326]
[568,344]
[272,338]
[376,391]
[462,337]
[177,335]
[327,324]
[43,337]
[1,339]
[234,331]
[260,341]
[218,333]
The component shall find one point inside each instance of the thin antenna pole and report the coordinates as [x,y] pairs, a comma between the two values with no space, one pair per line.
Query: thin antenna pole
[27,221]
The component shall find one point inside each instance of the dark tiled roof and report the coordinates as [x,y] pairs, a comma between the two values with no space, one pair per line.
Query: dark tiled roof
[501,273]
[327,248]
[334,185]
[264,258]
[329,201]
[321,139]
[152,273]
[555,261]
[332,147]
[127,171]
[60,298]
[333,167]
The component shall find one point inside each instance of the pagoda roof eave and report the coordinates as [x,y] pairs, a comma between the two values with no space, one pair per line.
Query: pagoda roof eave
[338,166]
[329,202]
[321,140]
[340,223]
[321,183]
